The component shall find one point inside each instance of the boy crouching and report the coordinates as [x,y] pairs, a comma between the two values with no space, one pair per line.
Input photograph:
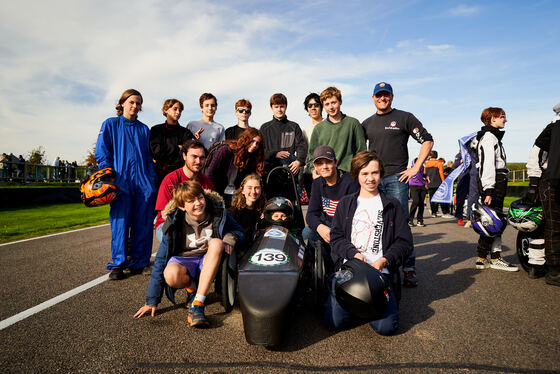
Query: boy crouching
[194,237]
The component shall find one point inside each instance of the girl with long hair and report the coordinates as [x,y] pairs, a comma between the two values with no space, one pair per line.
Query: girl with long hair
[231,161]
[248,204]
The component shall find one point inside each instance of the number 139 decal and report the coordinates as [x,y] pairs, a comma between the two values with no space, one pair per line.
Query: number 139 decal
[269,257]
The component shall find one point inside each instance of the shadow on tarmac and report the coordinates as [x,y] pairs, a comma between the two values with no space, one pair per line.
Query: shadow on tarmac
[436,281]
[268,365]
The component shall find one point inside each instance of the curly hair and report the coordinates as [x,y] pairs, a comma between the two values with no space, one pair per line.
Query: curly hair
[239,201]
[240,148]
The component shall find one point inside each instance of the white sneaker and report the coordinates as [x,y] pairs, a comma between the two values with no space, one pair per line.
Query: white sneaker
[467,224]
[447,216]
[501,264]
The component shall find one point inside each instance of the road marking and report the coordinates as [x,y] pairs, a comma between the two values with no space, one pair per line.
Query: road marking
[58,233]
[55,300]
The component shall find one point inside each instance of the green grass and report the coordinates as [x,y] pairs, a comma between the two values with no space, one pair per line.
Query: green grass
[21,223]
[508,200]
[519,183]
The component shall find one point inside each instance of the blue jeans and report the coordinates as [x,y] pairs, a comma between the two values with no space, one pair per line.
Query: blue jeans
[159,232]
[337,318]
[310,235]
[391,186]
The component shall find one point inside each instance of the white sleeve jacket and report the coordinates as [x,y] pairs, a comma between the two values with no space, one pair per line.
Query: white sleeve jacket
[491,157]
[538,157]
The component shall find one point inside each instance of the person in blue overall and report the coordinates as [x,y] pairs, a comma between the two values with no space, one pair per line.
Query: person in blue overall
[123,145]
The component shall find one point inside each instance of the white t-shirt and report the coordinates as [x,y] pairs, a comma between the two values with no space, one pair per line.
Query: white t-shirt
[367,229]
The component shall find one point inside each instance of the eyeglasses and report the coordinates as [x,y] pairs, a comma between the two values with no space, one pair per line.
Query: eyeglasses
[244,110]
[313,105]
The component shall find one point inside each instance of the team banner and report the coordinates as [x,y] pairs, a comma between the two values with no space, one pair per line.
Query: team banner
[444,193]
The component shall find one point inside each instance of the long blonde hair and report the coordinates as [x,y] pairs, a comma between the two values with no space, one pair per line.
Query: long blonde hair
[239,201]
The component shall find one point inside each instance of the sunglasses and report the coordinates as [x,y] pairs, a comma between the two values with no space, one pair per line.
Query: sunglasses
[313,105]
[244,110]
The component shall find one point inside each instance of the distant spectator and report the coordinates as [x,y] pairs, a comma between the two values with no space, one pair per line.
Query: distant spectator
[434,171]
[56,165]
[21,166]
[4,166]
[243,109]
[418,189]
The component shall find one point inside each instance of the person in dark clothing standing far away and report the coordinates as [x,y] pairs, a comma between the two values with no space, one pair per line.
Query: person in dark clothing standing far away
[167,138]
[327,190]
[434,171]
[543,169]
[492,178]
[418,190]
[194,155]
[243,112]
[370,226]
[283,139]
[388,131]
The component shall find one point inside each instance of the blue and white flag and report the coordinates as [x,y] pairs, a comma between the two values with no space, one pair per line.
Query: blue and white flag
[444,193]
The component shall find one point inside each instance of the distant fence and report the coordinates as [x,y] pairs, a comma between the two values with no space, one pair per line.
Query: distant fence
[24,172]
[518,176]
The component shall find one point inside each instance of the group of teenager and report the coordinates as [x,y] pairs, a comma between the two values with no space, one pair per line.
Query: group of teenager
[358,198]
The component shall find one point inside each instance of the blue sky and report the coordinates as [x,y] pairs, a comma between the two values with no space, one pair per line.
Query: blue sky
[63,64]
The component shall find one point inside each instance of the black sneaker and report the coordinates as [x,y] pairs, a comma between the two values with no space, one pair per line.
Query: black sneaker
[146,270]
[536,271]
[116,274]
[553,278]
[420,223]
[410,223]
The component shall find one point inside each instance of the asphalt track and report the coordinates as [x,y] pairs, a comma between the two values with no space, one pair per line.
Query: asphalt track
[458,320]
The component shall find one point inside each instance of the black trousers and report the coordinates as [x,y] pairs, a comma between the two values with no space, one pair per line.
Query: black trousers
[434,206]
[551,209]
[500,189]
[418,195]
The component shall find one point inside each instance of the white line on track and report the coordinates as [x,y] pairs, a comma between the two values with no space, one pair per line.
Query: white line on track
[55,300]
[58,233]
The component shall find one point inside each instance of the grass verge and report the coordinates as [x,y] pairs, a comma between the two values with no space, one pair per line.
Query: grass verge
[22,223]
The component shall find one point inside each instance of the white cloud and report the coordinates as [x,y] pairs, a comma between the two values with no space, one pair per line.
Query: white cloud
[440,47]
[464,10]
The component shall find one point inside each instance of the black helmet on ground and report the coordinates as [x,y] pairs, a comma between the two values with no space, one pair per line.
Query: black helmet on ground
[361,290]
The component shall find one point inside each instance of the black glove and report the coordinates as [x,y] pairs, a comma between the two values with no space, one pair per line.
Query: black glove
[532,194]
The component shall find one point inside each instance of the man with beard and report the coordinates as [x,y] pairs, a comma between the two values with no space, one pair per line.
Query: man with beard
[194,155]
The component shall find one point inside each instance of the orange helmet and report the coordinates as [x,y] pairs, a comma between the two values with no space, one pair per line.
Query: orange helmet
[99,189]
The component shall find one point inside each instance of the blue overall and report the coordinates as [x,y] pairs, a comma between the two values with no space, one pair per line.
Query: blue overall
[123,145]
